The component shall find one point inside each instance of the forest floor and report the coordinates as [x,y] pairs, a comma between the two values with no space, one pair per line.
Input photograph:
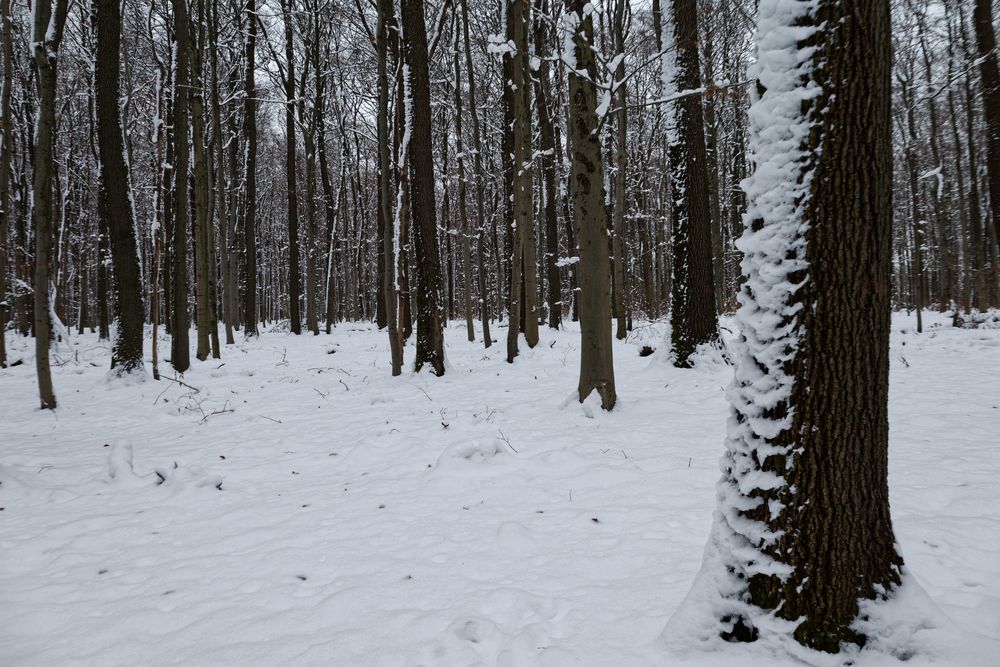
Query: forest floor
[293,504]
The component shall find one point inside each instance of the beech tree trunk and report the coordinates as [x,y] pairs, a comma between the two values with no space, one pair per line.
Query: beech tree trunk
[47,32]
[587,185]
[547,162]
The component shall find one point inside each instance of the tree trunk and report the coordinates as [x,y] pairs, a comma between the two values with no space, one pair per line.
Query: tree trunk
[619,19]
[47,31]
[291,189]
[126,354]
[484,304]
[804,507]
[547,162]
[6,152]
[250,314]
[180,354]
[430,339]
[587,184]
[693,317]
[989,71]
[387,22]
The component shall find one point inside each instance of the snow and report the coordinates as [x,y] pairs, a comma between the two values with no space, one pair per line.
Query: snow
[478,518]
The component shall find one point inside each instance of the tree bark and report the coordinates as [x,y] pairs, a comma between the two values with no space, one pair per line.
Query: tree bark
[587,184]
[47,32]
[989,71]
[484,304]
[804,499]
[291,189]
[6,152]
[180,353]
[126,354]
[250,314]
[430,338]
[693,316]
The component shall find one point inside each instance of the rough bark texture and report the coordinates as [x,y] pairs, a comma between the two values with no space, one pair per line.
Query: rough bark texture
[462,188]
[619,19]
[430,339]
[126,355]
[180,353]
[484,304]
[834,530]
[250,176]
[547,162]
[692,316]
[385,19]
[47,33]
[989,71]
[291,188]
[204,244]
[587,184]
[7,52]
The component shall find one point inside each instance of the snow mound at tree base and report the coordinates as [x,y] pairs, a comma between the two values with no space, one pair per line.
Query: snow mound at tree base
[907,627]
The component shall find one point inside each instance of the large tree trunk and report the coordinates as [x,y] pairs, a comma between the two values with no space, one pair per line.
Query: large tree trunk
[804,507]
[126,355]
[47,31]
[990,72]
[693,316]
[587,183]
[430,339]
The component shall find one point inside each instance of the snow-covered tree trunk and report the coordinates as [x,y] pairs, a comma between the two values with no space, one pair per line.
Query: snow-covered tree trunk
[803,524]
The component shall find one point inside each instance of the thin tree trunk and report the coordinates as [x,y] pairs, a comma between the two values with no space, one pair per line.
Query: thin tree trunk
[484,304]
[47,31]
[6,153]
[180,353]
[250,314]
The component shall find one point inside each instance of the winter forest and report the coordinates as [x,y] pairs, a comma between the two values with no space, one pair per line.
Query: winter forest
[499,332]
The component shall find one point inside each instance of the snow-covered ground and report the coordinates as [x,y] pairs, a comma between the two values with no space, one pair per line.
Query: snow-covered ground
[482,518]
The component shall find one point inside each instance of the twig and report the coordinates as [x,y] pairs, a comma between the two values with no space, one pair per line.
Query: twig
[507,440]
